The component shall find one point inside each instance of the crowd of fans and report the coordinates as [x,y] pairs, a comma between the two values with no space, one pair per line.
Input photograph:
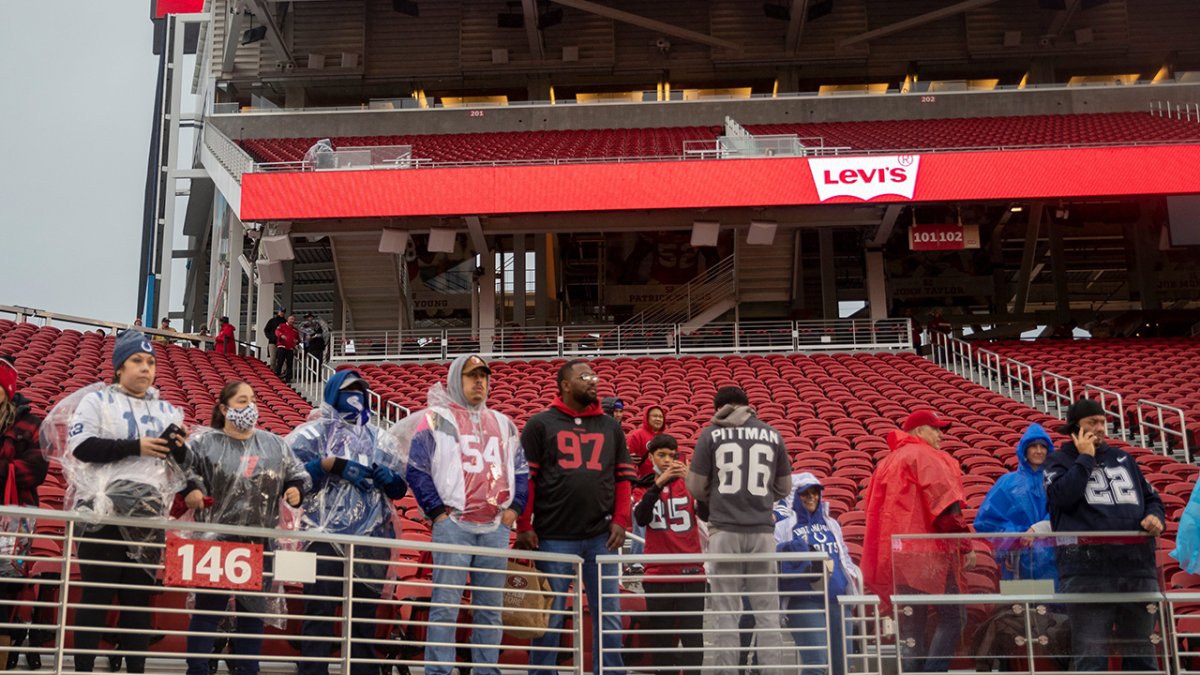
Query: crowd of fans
[571,482]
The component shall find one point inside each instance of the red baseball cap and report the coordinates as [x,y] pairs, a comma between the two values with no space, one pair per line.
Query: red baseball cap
[921,418]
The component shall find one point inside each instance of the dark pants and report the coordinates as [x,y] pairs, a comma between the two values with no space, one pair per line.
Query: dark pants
[688,628]
[932,655]
[316,347]
[1092,624]
[133,601]
[361,632]
[210,623]
[284,362]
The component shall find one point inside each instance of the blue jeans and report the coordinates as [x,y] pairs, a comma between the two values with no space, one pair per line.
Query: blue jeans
[587,549]
[208,623]
[636,547]
[935,656]
[808,632]
[1092,624]
[360,631]
[486,591]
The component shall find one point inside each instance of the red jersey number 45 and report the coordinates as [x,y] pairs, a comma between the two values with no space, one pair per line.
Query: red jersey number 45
[576,448]
[213,564]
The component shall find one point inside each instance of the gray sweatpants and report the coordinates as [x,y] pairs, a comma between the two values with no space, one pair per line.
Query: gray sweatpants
[727,588]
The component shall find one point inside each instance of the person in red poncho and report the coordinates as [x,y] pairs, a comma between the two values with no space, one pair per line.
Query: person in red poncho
[917,489]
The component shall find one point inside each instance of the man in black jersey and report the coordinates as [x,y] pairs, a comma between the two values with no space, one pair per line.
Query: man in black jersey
[579,502]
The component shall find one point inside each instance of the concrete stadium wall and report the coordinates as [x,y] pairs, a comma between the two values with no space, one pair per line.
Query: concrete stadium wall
[332,123]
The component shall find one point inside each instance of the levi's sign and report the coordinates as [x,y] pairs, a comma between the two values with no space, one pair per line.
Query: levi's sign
[865,177]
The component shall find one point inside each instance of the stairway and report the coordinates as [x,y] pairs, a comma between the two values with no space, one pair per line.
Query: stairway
[765,272]
[369,282]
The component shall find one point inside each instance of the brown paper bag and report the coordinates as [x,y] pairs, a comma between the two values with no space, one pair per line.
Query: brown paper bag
[520,581]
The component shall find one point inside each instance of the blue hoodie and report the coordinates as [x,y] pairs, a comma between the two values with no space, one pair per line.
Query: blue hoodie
[798,531]
[1014,504]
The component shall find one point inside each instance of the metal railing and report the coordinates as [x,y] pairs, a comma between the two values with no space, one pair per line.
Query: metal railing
[1185,111]
[310,378]
[1156,421]
[229,154]
[1053,396]
[383,594]
[695,627]
[1019,381]
[714,285]
[1106,397]
[649,339]
[43,317]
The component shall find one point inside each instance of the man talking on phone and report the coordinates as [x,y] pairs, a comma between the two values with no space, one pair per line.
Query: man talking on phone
[1092,486]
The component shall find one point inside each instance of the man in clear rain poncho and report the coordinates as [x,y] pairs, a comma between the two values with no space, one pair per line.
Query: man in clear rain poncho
[356,474]
[109,440]
[468,473]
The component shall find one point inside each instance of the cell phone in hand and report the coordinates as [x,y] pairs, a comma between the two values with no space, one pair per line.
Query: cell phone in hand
[176,448]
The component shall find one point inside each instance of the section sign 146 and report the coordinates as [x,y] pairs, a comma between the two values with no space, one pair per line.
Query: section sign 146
[213,564]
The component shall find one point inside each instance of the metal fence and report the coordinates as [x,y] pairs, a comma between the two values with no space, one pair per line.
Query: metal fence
[356,604]
[613,340]
[1158,425]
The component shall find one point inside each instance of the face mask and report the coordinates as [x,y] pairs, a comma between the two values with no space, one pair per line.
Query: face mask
[352,406]
[243,419]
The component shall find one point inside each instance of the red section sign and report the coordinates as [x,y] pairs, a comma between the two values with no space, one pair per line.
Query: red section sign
[942,237]
[213,564]
[947,176]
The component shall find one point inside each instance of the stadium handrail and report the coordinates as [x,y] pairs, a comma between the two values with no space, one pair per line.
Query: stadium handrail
[1015,379]
[622,340]
[23,314]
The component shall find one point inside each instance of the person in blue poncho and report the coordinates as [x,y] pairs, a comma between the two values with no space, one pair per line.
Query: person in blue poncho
[356,474]
[803,524]
[1017,504]
[1187,540]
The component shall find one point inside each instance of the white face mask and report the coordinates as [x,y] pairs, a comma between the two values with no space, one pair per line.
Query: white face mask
[242,419]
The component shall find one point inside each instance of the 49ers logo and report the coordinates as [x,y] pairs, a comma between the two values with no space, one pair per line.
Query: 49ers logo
[865,177]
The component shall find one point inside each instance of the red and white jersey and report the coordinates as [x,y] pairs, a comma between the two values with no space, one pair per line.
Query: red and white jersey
[674,529]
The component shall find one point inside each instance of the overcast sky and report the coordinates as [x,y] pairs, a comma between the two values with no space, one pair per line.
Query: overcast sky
[77,78]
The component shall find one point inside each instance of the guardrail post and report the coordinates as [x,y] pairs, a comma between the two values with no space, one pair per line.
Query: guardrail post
[347,608]
[64,594]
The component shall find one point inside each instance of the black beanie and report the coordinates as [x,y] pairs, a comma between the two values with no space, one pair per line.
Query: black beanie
[1081,409]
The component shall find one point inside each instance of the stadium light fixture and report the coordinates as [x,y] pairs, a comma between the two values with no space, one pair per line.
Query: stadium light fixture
[256,34]
[1017,209]
[762,232]
[705,233]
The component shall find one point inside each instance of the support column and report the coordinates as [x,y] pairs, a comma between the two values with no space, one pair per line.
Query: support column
[265,308]
[233,295]
[798,302]
[876,286]
[216,268]
[487,301]
[1144,237]
[289,284]
[829,303]
[1058,265]
[519,244]
[1028,254]
[541,297]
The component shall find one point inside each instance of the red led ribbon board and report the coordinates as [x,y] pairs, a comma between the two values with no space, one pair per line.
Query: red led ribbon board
[165,7]
[199,563]
[948,176]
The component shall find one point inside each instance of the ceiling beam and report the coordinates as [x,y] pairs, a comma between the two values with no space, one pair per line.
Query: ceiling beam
[886,226]
[798,15]
[234,21]
[531,28]
[1062,17]
[274,35]
[650,24]
[921,20]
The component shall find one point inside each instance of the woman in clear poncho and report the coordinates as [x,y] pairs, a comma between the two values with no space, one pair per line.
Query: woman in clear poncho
[237,475]
[117,464]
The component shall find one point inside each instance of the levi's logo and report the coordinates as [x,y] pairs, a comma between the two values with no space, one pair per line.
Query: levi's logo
[865,177]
